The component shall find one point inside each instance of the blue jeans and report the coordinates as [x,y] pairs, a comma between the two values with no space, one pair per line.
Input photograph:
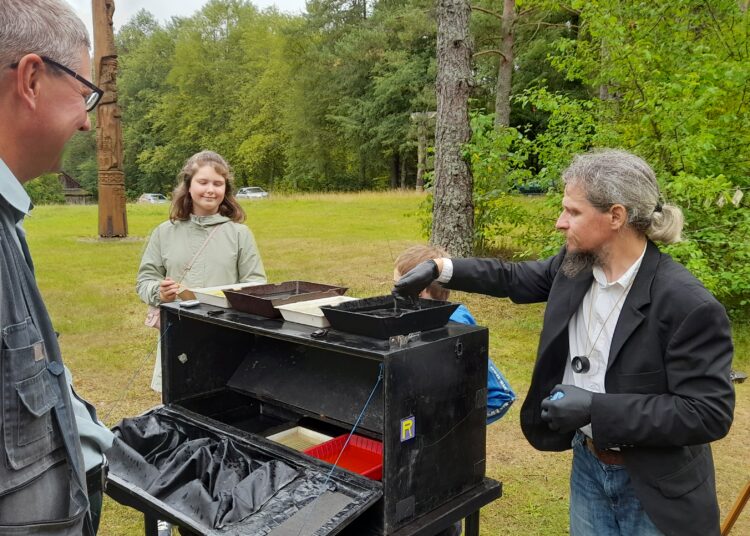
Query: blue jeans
[602,498]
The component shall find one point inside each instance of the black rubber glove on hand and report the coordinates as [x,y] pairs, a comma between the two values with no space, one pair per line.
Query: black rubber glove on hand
[417,279]
[568,412]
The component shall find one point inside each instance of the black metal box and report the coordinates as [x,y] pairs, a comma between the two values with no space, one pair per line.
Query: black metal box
[242,377]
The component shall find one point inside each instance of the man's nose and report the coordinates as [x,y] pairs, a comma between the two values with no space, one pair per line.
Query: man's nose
[561,223]
[86,126]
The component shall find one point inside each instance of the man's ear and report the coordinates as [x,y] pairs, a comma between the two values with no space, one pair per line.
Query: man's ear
[618,216]
[29,80]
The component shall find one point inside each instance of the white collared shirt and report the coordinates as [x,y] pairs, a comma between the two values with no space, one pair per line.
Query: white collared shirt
[592,327]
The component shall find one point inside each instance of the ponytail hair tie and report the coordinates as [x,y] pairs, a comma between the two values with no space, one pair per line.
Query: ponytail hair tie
[658,207]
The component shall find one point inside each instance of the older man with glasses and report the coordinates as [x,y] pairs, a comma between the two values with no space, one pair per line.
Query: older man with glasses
[45,97]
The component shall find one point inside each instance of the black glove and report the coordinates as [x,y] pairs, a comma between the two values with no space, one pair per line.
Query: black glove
[417,279]
[567,408]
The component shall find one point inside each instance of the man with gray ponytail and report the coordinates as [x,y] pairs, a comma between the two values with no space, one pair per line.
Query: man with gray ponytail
[45,96]
[633,364]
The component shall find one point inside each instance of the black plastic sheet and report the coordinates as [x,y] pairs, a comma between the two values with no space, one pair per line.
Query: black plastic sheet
[211,479]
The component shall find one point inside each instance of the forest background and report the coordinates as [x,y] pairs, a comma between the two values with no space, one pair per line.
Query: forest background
[324,101]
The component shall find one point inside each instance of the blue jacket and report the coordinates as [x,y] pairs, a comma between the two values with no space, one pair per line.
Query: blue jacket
[500,396]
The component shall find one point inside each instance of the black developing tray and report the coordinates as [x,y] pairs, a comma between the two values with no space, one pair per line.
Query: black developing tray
[377,316]
[263,299]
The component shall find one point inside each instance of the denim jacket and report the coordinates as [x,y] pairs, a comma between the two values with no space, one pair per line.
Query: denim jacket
[38,426]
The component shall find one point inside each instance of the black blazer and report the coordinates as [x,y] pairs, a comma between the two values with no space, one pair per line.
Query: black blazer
[668,391]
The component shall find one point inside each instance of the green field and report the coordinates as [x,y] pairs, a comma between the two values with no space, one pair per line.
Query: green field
[348,240]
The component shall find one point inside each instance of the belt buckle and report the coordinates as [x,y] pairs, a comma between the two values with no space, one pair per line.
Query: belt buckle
[610,457]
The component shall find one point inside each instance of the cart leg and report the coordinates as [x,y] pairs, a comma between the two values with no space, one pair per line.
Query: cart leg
[471,524]
[150,523]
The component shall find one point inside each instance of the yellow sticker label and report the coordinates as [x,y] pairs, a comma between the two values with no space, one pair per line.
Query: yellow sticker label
[408,428]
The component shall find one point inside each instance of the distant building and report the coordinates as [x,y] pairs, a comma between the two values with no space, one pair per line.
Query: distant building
[74,194]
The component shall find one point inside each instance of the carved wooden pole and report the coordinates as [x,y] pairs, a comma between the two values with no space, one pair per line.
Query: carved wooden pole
[113,218]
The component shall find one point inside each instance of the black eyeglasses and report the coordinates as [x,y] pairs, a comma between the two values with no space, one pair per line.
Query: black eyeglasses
[90,100]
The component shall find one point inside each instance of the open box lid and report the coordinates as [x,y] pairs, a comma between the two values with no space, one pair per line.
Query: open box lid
[155,450]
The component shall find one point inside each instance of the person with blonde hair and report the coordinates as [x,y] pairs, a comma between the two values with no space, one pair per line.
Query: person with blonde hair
[633,364]
[45,96]
[203,244]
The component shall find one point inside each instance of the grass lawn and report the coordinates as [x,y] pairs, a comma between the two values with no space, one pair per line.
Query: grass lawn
[350,240]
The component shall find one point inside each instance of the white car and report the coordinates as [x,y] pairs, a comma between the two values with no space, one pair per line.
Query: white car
[251,192]
[153,198]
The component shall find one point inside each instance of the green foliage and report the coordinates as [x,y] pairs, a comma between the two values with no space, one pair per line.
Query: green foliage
[497,160]
[145,55]
[675,80]
[668,81]
[45,190]
[715,248]
[571,128]
[80,162]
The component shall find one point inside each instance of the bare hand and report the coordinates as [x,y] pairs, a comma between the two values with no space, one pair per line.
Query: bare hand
[168,290]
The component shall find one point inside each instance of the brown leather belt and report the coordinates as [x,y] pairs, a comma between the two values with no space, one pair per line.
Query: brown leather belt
[610,457]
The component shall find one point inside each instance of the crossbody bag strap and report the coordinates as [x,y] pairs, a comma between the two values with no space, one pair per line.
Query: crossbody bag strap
[189,265]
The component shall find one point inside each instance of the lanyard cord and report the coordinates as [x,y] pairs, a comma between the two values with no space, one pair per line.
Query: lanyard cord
[604,324]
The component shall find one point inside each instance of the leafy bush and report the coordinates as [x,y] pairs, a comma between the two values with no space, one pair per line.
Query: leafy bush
[715,248]
[45,190]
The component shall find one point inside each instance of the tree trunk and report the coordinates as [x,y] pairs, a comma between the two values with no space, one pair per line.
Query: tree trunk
[421,156]
[394,170]
[505,68]
[453,209]
[403,171]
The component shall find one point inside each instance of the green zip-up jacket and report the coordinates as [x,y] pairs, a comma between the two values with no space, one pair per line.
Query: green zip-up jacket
[231,256]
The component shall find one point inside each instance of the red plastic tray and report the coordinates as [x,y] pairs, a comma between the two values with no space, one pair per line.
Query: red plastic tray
[362,455]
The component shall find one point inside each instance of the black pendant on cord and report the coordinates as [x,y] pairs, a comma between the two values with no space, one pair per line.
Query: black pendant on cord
[580,364]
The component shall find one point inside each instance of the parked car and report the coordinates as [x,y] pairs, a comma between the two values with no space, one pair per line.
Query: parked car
[153,198]
[251,192]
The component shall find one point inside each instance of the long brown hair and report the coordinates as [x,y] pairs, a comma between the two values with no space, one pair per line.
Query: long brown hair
[182,203]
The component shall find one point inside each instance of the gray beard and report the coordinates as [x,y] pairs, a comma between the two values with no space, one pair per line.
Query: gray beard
[576,262]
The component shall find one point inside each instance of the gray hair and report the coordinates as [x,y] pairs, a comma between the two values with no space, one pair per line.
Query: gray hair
[611,176]
[45,27]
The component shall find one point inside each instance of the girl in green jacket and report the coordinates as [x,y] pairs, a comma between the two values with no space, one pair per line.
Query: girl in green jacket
[203,244]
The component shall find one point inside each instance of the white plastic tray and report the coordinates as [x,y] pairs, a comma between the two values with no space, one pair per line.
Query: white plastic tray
[213,295]
[308,312]
[299,438]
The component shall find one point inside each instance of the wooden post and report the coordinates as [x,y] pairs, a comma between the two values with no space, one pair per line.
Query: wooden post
[113,218]
[734,513]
